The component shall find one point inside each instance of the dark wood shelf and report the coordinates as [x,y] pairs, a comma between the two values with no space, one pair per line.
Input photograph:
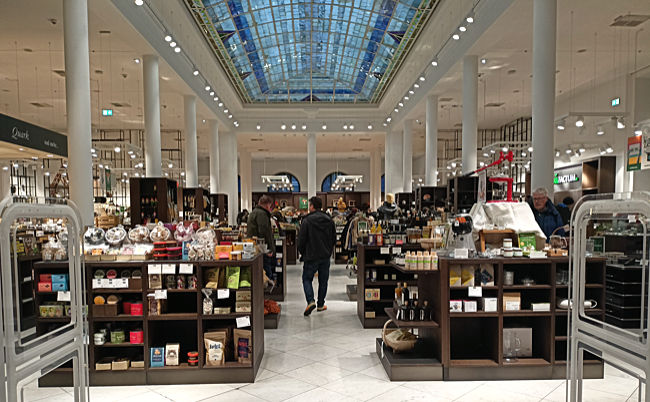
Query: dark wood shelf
[173,316]
[380,301]
[414,271]
[465,288]
[390,282]
[223,316]
[98,290]
[526,287]
[520,313]
[409,324]
[473,363]
[587,286]
[119,345]
[53,319]
[478,314]
[527,361]
[229,365]
[119,317]
[182,366]
[174,290]
[561,338]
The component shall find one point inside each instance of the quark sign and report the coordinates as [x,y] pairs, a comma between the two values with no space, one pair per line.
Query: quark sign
[27,135]
[565,178]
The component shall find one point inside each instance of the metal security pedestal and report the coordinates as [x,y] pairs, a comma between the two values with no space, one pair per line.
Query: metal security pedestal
[26,358]
[623,348]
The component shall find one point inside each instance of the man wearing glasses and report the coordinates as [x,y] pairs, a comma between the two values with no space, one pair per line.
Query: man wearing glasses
[547,217]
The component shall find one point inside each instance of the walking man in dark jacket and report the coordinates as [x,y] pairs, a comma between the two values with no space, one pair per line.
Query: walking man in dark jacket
[259,225]
[315,243]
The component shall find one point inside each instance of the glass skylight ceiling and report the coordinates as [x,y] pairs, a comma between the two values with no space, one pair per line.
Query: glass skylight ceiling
[311,51]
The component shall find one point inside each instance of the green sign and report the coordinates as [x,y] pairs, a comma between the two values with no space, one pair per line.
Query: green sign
[565,178]
[303,203]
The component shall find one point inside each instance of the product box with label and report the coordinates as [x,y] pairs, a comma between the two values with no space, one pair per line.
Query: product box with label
[487,275]
[489,304]
[455,306]
[511,301]
[541,306]
[172,351]
[370,314]
[243,307]
[45,286]
[525,336]
[467,275]
[469,306]
[157,358]
[243,295]
[454,275]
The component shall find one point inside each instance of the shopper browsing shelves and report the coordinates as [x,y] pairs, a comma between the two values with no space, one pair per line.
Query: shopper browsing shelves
[546,215]
[259,225]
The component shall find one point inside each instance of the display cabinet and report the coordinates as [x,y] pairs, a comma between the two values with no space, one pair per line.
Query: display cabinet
[153,199]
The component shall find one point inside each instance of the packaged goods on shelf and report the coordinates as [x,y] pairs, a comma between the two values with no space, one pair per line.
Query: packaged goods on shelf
[157,358]
[243,345]
[215,347]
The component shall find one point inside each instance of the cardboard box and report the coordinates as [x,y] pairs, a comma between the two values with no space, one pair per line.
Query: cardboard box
[243,307]
[489,304]
[370,314]
[59,286]
[511,301]
[525,336]
[368,295]
[455,306]
[243,295]
[45,286]
[137,364]
[469,306]
[120,364]
[104,364]
[59,278]
[454,275]
[467,275]
[541,306]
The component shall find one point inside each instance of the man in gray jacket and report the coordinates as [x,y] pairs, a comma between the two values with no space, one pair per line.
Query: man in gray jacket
[259,225]
[316,241]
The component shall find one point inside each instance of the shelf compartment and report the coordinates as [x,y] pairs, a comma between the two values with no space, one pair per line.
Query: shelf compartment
[119,345]
[414,365]
[473,363]
[472,340]
[409,324]
[478,314]
[173,317]
[182,366]
[174,290]
[120,317]
[526,313]
[391,283]
[526,287]
[527,361]
[223,316]
[229,365]
[541,339]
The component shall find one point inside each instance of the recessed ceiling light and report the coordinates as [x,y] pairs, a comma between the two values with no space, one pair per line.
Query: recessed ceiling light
[259,127]
[470,18]
[117,150]
[462,28]
[293,126]
[416,85]
[455,36]
[304,127]
[216,98]
[177,50]
[406,97]
[600,131]
[561,125]
[324,127]
[483,61]
[400,104]
[203,121]
[230,116]
[396,110]
[136,60]
[351,126]
[434,62]
[225,110]
[195,72]
[170,165]
[172,44]
[211,93]
[220,104]
[168,38]
[369,126]
[411,92]
[283,127]
[422,78]
[139,2]
[207,87]
[580,121]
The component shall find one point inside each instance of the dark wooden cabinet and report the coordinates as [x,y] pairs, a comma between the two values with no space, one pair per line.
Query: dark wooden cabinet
[153,198]
[219,205]
[196,201]
[462,193]
[429,196]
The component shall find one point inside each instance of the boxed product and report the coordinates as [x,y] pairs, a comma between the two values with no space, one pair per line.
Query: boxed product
[172,351]
[45,286]
[469,306]
[525,336]
[487,275]
[454,275]
[137,363]
[243,345]
[455,306]
[215,346]
[511,301]
[119,364]
[541,306]
[60,287]
[489,304]
[243,307]
[232,277]
[467,275]
[157,357]
[221,310]
[243,295]
[104,364]
[370,314]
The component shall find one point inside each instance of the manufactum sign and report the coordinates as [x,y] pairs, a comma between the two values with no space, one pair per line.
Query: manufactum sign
[21,133]
[565,178]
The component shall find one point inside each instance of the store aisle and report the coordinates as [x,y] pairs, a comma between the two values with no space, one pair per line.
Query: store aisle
[329,357]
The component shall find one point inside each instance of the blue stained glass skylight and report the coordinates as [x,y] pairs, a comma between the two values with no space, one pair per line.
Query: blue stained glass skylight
[337,51]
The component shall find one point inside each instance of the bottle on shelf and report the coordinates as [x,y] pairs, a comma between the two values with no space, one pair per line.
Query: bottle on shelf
[404,316]
[398,293]
[414,311]
[405,294]
[425,311]
[380,235]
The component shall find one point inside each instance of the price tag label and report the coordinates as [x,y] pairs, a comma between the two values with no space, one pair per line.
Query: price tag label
[111,283]
[105,283]
[154,269]
[384,250]
[461,253]
[278,269]
[243,321]
[631,218]
[186,269]
[169,269]
[63,296]
[397,250]
[160,294]
[122,283]
[278,255]
[97,283]
[223,293]
[278,243]
[475,291]
[40,233]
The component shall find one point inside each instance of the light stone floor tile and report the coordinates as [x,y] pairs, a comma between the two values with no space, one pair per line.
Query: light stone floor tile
[191,394]
[444,389]
[320,395]
[537,389]
[318,374]
[403,394]
[278,388]
[264,374]
[353,361]
[284,362]
[590,395]
[360,386]
[317,352]
[487,393]
[234,396]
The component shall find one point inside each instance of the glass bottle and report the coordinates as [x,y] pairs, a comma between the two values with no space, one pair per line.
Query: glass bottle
[405,294]
[405,311]
[398,293]
[425,311]
[414,312]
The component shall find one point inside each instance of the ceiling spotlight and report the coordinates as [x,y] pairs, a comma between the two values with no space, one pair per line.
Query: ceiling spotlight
[101,166]
[92,150]
[207,87]
[369,126]
[388,119]
[638,132]
[416,85]
[486,155]
[483,61]
[600,131]
[136,60]
[580,121]
[455,36]
[46,173]
[117,150]
[258,127]
[283,127]
[434,62]
[602,151]
[168,38]
[304,127]
[203,121]
[216,98]
[132,156]
[581,149]
[170,165]
[293,126]
[211,93]
[345,127]
[230,116]
[530,149]
[561,125]
[125,174]
[470,18]
[385,124]
[172,44]
[177,50]
[620,123]
[351,126]
[462,28]
[236,123]
[504,149]
[568,151]
[401,104]
[411,91]
[557,153]
[220,104]
[183,174]
[609,149]
[324,127]
[396,110]
[523,154]
[139,2]
[195,72]
[225,110]
[406,97]
[21,149]
[422,78]
[50,155]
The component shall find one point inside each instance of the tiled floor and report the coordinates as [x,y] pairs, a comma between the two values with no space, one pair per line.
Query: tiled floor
[329,357]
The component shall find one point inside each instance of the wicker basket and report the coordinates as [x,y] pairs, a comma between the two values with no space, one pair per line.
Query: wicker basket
[430,243]
[399,346]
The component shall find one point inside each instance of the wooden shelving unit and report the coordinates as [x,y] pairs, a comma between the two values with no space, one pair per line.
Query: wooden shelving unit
[280,290]
[219,206]
[428,196]
[462,193]
[196,201]
[291,244]
[153,198]
[183,323]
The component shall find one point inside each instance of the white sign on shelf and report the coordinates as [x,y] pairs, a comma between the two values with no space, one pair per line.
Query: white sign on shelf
[97,283]
[384,250]
[278,255]
[186,269]
[40,233]
[154,269]
[63,296]
[397,250]
[461,253]
[169,269]
[278,269]
[223,293]
[107,283]
[160,294]
[243,321]
[475,291]
[278,243]
[121,283]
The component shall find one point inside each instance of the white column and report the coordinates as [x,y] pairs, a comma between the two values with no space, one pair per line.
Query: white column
[407,157]
[191,158]
[77,89]
[388,173]
[228,149]
[470,112]
[213,126]
[396,162]
[544,28]
[311,165]
[375,179]
[152,148]
[5,179]
[431,142]
[245,170]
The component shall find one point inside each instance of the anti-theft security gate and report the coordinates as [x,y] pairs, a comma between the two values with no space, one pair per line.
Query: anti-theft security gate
[28,356]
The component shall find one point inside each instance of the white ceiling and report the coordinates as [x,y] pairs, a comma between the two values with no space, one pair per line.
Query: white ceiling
[27,76]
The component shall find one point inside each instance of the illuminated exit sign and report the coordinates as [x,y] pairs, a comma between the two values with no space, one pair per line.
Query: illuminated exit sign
[616,102]
[107,112]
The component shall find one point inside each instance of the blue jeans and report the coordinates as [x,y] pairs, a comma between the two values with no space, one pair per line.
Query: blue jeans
[269,266]
[308,271]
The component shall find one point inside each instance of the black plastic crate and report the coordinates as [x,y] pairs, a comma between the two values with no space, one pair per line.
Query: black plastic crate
[622,322]
[623,312]
[623,287]
[623,300]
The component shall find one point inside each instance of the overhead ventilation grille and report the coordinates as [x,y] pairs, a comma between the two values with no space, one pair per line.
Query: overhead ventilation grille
[630,20]
[121,104]
[60,73]
[39,104]
[494,104]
